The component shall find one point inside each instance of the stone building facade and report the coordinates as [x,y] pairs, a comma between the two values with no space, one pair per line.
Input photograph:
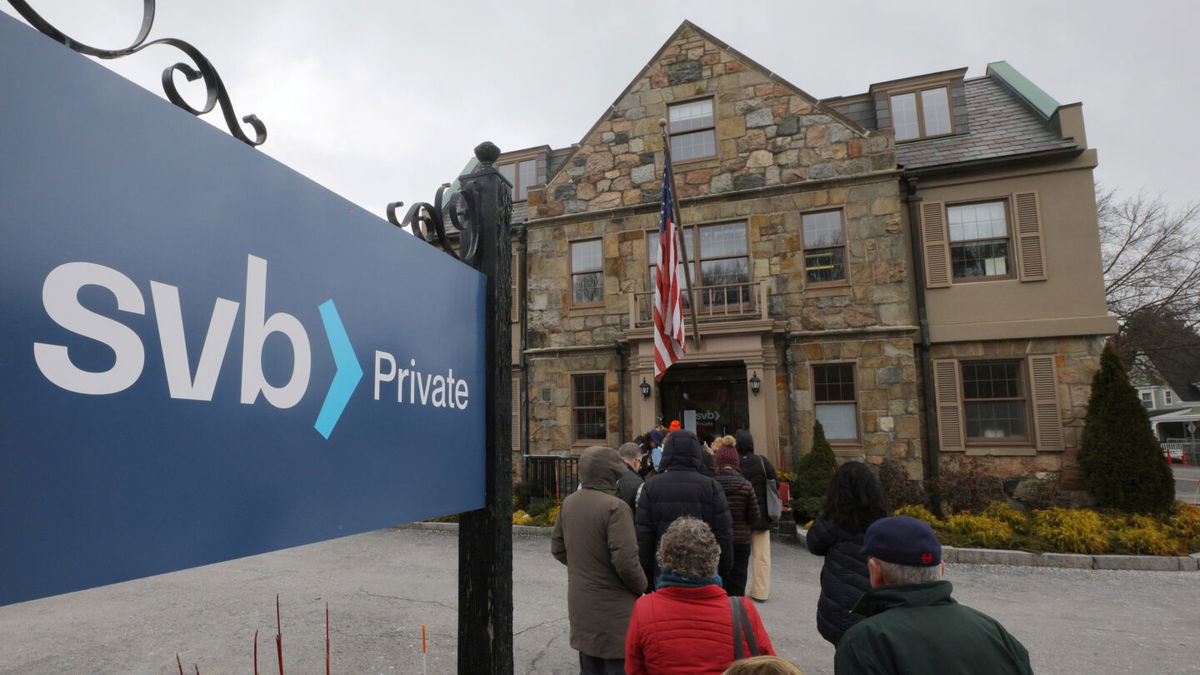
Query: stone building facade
[817,282]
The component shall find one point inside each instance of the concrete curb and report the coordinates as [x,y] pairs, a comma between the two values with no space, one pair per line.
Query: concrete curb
[522,530]
[987,556]
[958,556]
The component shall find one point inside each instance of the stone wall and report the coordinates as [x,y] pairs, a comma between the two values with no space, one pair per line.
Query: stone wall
[889,405]
[767,132]
[549,388]
[1076,362]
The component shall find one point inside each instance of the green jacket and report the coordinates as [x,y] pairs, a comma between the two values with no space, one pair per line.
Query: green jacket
[919,628]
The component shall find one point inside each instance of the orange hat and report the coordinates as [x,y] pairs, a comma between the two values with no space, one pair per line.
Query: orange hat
[675,426]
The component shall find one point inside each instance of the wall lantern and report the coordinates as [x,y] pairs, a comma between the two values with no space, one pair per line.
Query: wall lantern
[755,383]
[645,387]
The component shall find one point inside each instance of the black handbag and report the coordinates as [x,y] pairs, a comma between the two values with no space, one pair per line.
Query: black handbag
[741,626]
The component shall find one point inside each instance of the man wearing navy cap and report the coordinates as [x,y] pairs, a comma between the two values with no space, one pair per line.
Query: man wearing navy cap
[912,624]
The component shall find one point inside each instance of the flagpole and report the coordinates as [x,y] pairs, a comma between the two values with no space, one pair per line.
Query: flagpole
[687,273]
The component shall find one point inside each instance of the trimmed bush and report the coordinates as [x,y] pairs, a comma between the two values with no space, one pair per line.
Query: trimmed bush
[1143,535]
[899,490]
[919,512]
[1004,512]
[965,529]
[1071,531]
[812,477]
[1120,462]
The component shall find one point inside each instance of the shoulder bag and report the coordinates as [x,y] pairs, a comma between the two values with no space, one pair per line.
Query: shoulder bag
[774,503]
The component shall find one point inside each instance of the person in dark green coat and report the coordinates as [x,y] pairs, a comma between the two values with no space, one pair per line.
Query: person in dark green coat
[912,624]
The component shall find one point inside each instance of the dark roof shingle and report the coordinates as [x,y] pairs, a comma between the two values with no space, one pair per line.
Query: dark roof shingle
[1001,126]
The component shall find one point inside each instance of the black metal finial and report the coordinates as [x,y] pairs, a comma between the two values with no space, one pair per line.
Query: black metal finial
[203,69]
[487,152]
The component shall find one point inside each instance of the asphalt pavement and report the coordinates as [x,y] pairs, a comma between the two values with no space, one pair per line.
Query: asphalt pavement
[1187,483]
[382,586]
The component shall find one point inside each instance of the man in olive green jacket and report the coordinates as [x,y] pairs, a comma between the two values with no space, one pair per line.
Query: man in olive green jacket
[913,624]
[594,537]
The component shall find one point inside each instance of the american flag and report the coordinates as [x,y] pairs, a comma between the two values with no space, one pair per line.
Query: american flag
[669,344]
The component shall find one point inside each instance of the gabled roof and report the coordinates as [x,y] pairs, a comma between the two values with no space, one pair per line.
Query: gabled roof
[705,35]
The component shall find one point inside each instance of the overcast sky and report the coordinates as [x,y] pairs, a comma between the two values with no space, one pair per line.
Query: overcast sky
[383,101]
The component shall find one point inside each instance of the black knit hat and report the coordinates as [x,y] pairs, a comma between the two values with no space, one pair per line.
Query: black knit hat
[904,541]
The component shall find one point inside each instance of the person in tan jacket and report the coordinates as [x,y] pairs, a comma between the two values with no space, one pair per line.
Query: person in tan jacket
[594,537]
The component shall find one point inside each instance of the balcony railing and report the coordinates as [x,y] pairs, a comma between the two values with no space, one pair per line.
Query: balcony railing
[716,303]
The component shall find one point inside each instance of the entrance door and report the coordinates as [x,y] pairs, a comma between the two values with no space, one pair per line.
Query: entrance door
[710,399]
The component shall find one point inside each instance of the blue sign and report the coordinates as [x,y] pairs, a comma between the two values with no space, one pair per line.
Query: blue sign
[203,354]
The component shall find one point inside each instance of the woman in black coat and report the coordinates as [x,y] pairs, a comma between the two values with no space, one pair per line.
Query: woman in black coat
[854,501]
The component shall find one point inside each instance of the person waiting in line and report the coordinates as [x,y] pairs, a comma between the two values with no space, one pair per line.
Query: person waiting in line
[687,626]
[629,485]
[763,665]
[853,501]
[681,490]
[743,509]
[912,624]
[594,538]
[758,470]
[653,456]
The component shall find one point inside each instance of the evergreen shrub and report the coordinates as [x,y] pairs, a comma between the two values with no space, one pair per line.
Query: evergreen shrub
[1120,461]
[812,477]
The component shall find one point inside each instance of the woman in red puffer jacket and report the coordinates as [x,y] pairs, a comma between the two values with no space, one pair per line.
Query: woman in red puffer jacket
[687,625]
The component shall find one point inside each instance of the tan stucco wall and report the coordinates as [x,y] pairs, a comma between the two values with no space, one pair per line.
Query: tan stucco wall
[1070,301]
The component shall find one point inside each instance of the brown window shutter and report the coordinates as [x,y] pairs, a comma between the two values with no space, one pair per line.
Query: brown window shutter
[516,413]
[949,408]
[1046,416]
[935,244]
[1028,218]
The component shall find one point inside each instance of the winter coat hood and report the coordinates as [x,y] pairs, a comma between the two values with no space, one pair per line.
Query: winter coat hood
[745,442]
[682,450]
[599,469]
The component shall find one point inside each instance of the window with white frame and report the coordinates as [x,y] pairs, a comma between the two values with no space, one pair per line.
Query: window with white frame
[1147,396]
[979,240]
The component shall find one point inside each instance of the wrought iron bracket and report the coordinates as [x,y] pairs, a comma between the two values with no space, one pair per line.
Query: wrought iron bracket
[461,208]
[216,94]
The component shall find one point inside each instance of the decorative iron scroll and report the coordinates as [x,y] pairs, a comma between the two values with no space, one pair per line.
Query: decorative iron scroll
[429,221]
[462,209]
[216,92]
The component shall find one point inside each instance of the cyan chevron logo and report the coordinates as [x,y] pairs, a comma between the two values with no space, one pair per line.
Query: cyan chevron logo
[60,297]
[348,374]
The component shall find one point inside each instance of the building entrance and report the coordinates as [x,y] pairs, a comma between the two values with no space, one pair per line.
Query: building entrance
[709,399]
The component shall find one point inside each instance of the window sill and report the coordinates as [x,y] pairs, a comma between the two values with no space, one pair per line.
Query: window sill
[978,280]
[827,288]
[587,309]
[1012,451]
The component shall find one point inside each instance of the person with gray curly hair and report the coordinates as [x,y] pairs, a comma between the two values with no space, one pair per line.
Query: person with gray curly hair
[688,625]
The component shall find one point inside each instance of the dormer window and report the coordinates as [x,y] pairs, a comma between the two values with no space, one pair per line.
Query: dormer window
[921,114]
[522,175]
